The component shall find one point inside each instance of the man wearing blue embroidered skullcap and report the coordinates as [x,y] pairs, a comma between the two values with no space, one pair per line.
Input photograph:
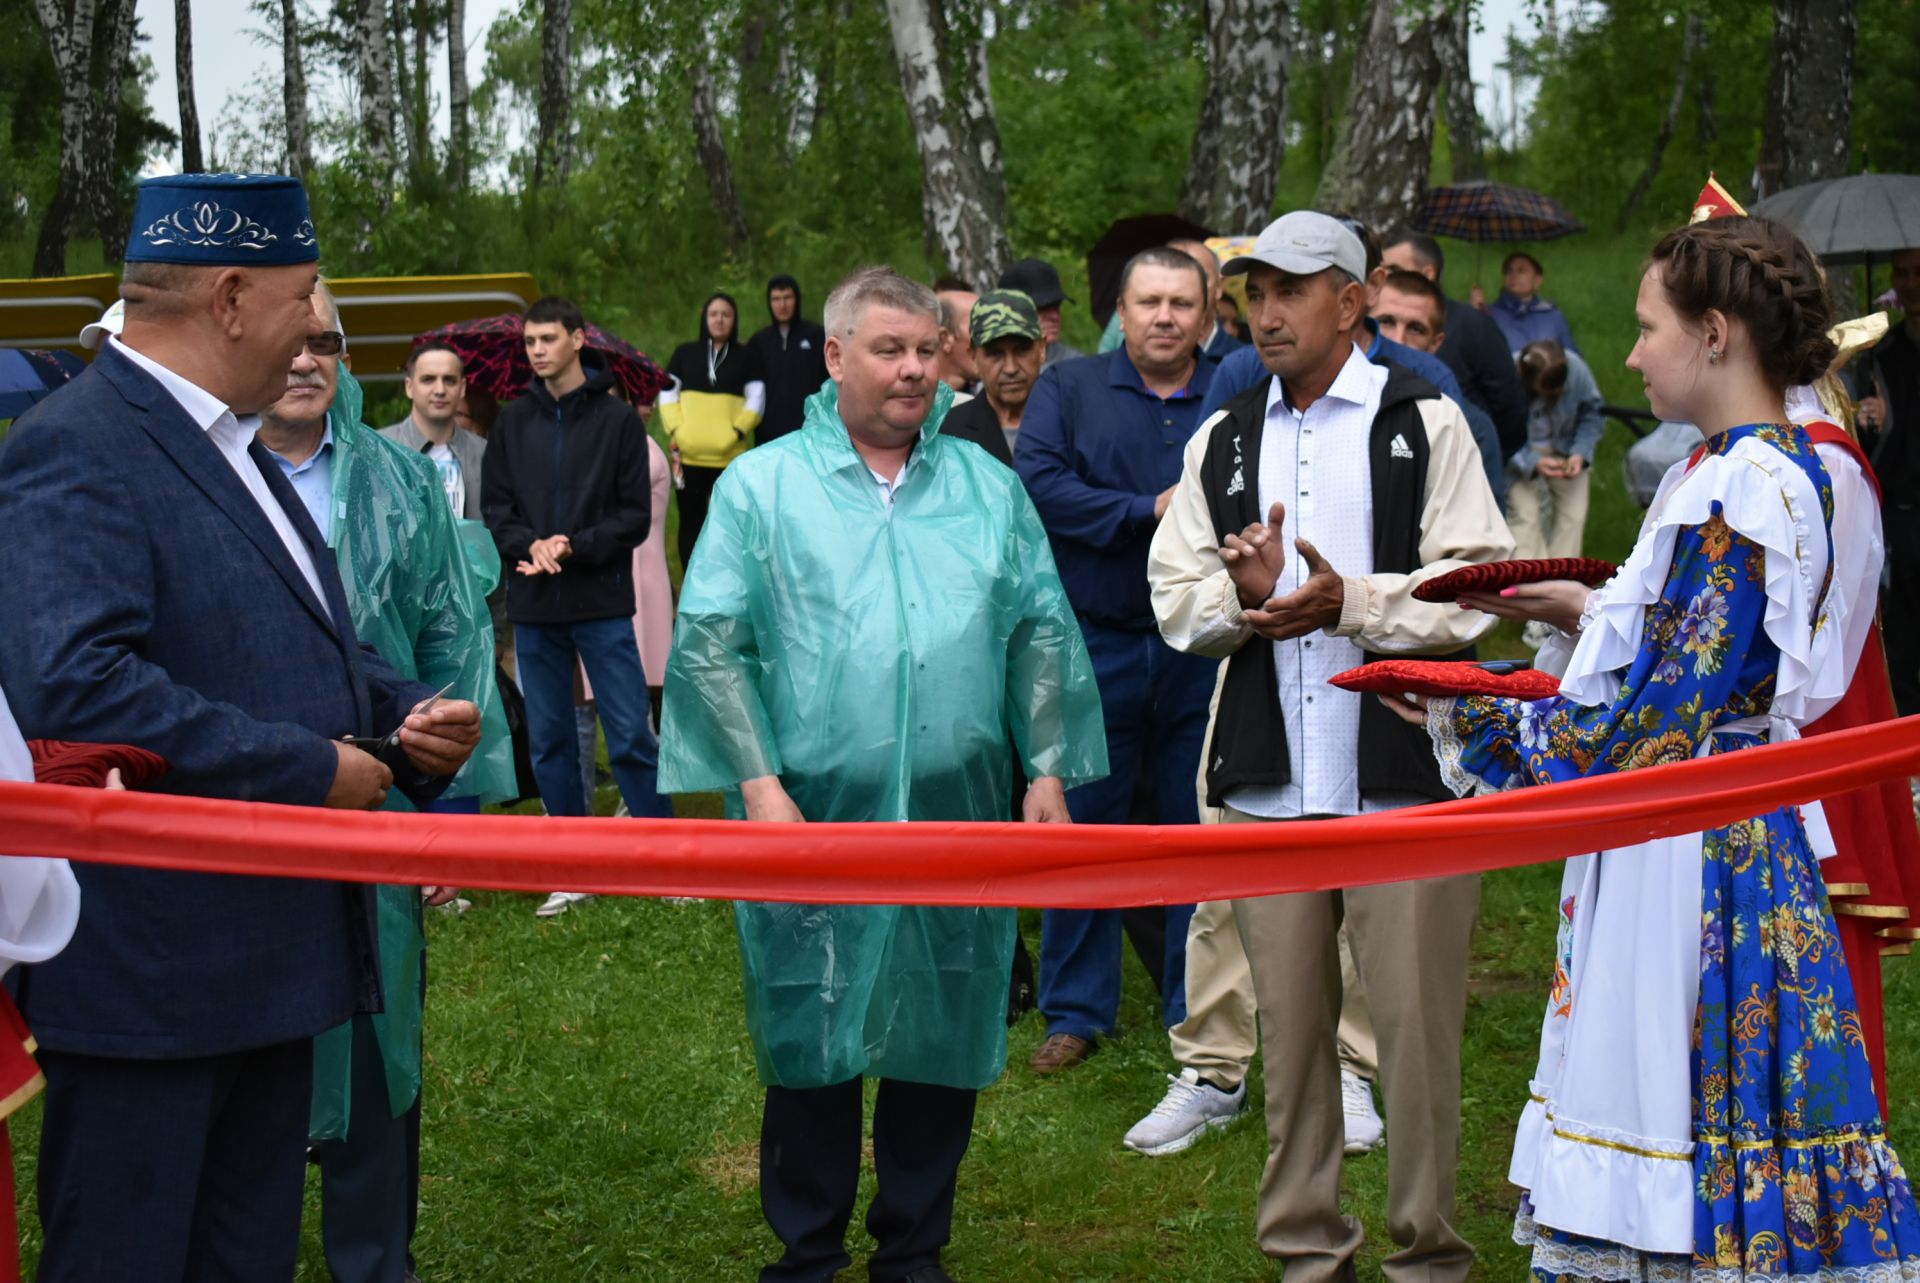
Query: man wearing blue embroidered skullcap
[164,586]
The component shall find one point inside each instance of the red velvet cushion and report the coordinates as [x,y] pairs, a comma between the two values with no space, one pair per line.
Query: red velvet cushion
[1495,575]
[1445,677]
[86,765]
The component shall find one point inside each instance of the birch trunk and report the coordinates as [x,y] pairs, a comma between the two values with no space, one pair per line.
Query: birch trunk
[1379,170]
[552,156]
[459,139]
[90,74]
[110,214]
[293,89]
[374,54]
[941,51]
[1241,138]
[192,161]
[1809,94]
[710,144]
[1451,30]
[1692,37]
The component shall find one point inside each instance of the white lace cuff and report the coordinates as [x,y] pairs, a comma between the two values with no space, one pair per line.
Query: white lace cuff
[1447,748]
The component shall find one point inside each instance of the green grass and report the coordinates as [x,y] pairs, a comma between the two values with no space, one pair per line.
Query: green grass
[591,1113]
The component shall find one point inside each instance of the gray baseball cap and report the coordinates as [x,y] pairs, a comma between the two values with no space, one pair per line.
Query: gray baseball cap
[1304,243]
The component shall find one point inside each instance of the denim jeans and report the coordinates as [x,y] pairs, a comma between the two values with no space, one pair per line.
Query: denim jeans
[1155,702]
[612,658]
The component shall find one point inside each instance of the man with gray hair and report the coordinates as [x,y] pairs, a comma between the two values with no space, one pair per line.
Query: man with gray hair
[870,613]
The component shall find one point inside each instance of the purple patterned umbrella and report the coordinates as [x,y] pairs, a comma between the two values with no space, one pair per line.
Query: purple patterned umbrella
[1483,211]
[496,357]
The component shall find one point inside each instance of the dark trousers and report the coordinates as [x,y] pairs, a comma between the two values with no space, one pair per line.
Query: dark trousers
[612,658]
[1155,701]
[810,1172]
[1900,617]
[694,498]
[370,1178]
[174,1171]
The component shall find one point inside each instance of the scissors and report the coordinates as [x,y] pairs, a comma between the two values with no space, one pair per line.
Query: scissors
[391,740]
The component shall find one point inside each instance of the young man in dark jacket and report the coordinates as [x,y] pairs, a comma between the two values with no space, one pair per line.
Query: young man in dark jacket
[566,492]
[793,356]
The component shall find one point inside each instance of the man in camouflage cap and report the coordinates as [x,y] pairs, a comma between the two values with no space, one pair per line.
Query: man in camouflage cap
[1009,348]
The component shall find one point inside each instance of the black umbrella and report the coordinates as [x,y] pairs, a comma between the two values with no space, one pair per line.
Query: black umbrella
[1855,219]
[1124,238]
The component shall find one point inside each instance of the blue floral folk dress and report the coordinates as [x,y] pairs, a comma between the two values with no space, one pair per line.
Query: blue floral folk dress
[1792,1177]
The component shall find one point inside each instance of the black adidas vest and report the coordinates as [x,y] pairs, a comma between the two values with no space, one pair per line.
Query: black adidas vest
[1248,744]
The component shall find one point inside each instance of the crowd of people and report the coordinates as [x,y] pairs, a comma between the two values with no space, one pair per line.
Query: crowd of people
[939,566]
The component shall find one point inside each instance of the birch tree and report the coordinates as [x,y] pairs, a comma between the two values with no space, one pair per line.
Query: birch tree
[1809,94]
[373,56]
[293,89]
[1450,45]
[1693,37]
[1238,145]
[191,159]
[91,41]
[459,97]
[552,153]
[941,51]
[1379,170]
[710,145]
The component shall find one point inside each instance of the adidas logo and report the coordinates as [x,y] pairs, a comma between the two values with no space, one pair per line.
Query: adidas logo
[1400,449]
[1238,483]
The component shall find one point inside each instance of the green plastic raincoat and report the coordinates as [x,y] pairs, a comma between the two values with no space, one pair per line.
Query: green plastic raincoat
[877,659]
[416,589]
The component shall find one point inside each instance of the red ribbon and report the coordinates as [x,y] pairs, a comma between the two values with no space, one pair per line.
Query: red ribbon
[1072,866]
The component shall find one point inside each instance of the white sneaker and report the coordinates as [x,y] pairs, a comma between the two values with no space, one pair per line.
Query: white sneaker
[560,901]
[1188,1111]
[1365,1131]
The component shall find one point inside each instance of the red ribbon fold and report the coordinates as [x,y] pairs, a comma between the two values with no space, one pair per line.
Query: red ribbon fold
[1071,866]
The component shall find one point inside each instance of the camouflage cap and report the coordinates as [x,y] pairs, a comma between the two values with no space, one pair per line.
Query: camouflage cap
[1002,314]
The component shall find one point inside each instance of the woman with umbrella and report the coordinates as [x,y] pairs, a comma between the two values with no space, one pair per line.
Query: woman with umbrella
[716,401]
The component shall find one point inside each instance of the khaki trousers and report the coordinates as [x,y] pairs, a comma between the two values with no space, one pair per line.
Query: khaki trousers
[1536,533]
[1219,1036]
[1410,947]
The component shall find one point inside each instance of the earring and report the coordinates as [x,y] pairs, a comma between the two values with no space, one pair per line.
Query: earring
[1713,355]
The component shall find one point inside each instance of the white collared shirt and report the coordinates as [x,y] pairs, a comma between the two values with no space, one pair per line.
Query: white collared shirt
[1316,463]
[231,435]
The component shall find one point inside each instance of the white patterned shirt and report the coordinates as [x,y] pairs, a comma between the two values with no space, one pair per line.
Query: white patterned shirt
[231,435]
[1317,463]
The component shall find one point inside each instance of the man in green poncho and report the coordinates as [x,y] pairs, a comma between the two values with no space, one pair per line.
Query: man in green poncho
[871,616]
[416,589]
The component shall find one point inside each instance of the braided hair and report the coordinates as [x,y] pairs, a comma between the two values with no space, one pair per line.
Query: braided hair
[1758,272]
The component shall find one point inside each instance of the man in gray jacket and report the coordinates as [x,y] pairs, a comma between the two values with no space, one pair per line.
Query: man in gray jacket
[436,380]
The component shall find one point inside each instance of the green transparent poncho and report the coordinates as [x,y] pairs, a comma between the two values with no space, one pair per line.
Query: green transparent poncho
[879,661]
[416,588]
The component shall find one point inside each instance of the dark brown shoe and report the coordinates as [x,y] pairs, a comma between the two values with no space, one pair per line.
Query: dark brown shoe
[1060,1051]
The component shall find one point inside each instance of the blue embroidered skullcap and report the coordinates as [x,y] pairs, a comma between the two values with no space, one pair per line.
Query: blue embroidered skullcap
[222,220]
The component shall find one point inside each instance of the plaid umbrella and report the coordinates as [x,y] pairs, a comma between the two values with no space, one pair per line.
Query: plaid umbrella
[496,357]
[1486,211]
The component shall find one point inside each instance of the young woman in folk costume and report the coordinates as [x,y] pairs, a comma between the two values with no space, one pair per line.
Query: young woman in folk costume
[1703,1109]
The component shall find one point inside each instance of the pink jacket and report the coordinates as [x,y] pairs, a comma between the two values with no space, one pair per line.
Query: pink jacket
[652,590]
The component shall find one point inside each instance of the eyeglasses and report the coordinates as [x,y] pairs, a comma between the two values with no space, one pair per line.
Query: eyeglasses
[326,343]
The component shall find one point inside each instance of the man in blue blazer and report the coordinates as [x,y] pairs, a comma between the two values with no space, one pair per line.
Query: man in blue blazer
[162,585]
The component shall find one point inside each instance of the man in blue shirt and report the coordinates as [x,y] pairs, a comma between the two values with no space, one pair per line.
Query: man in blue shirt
[1100,450]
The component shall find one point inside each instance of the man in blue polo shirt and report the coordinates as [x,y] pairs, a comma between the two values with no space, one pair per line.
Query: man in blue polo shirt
[1100,449]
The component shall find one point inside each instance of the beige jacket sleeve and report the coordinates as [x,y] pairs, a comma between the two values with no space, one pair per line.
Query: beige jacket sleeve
[1460,524]
[1193,597]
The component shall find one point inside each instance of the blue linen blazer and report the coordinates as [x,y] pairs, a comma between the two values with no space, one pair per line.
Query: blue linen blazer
[145,599]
